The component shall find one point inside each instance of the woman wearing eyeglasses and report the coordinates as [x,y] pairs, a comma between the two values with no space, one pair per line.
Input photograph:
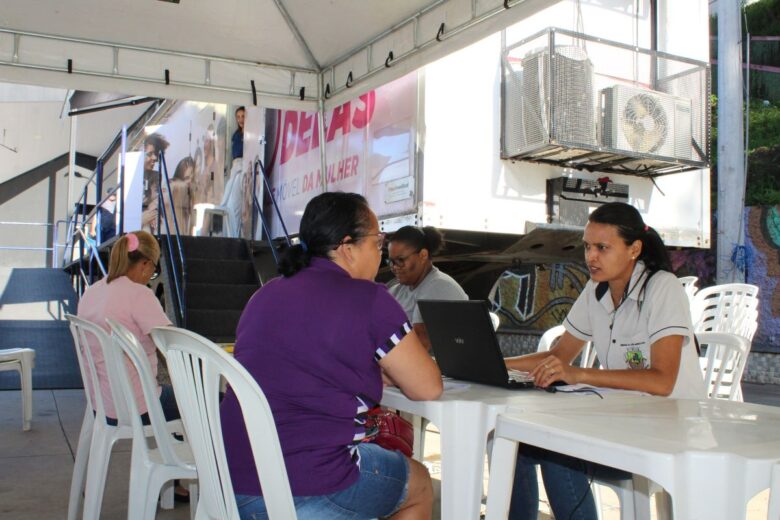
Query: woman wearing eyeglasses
[410,256]
[123,296]
[319,340]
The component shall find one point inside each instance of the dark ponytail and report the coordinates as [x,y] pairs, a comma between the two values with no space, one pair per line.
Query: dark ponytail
[631,227]
[428,238]
[327,219]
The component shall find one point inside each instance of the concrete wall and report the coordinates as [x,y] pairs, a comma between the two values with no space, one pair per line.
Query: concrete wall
[35,130]
[33,124]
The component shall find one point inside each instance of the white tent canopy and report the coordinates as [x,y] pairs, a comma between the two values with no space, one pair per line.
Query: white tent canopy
[294,53]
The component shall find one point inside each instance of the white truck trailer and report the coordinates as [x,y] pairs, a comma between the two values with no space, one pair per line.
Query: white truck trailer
[508,144]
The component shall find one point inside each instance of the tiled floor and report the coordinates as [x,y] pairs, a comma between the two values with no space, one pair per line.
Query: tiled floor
[36,466]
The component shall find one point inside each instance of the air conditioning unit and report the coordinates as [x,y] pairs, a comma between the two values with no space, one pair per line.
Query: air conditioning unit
[646,122]
[549,99]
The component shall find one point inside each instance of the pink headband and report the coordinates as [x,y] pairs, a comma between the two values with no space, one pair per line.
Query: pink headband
[132,242]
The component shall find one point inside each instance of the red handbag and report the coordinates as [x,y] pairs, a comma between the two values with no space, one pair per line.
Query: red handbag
[389,430]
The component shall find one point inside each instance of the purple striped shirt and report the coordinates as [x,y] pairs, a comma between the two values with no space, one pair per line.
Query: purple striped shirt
[313,342]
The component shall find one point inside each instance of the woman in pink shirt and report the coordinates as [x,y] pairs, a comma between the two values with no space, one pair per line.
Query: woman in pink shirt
[124,297]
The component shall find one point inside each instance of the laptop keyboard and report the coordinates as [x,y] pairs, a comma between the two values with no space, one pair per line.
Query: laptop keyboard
[519,377]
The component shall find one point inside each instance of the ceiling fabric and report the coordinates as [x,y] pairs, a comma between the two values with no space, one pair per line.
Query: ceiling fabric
[290,54]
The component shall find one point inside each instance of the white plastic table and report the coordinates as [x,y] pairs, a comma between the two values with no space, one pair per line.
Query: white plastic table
[712,456]
[465,414]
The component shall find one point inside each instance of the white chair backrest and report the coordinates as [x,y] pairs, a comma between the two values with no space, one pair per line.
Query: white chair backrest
[196,366]
[689,285]
[587,356]
[724,361]
[495,320]
[82,330]
[549,336]
[729,307]
[126,342]
[85,363]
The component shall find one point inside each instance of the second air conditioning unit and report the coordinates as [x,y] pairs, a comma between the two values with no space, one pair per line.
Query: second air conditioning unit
[642,121]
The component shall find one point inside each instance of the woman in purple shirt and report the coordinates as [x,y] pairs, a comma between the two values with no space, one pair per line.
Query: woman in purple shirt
[319,341]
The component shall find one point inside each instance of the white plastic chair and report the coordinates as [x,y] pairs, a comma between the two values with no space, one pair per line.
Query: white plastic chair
[150,467]
[97,437]
[731,307]
[23,361]
[587,356]
[495,320]
[549,337]
[197,366]
[689,286]
[204,214]
[774,493]
[724,363]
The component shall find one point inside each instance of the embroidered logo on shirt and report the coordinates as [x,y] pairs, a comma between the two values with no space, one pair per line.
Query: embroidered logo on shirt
[635,358]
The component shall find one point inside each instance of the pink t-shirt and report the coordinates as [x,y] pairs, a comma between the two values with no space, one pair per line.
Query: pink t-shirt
[134,306]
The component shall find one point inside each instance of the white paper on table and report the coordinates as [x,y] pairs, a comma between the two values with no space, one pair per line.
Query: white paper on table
[450,385]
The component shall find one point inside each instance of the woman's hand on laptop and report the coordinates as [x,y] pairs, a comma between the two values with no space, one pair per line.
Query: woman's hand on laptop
[552,369]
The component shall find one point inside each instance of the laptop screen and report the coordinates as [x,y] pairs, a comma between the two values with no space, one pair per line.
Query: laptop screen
[463,340]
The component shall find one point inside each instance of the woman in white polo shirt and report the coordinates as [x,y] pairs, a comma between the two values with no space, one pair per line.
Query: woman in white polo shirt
[637,316]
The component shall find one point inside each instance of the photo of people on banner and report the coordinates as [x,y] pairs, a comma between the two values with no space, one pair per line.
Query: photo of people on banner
[369,146]
[192,138]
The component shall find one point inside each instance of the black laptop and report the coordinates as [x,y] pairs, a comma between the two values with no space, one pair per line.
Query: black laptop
[465,344]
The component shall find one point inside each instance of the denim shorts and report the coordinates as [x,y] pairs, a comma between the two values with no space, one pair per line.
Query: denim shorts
[379,492]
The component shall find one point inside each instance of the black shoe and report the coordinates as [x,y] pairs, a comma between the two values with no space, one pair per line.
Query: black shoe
[182,499]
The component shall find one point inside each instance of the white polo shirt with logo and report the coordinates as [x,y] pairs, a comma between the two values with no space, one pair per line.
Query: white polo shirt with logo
[622,337]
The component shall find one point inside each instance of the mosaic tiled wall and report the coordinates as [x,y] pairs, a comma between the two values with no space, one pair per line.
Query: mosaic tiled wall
[763,270]
[535,298]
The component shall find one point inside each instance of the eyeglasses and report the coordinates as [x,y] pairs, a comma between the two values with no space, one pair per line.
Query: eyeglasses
[399,261]
[380,240]
[157,270]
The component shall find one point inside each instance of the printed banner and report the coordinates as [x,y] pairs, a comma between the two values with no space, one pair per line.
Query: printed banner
[192,137]
[369,149]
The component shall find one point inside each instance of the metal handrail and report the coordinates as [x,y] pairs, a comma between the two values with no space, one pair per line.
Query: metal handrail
[53,247]
[12,223]
[56,242]
[266,229]
[148,114]
[24,248]
[93,251]
[162,213]
[259,163]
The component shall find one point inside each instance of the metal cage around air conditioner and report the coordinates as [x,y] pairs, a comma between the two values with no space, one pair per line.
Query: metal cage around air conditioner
[582,102]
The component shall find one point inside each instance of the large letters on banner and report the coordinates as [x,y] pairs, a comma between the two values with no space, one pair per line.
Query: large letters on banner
[369,149]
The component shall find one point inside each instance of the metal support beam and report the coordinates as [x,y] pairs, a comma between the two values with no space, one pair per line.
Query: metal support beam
[214,77]
[731,152]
